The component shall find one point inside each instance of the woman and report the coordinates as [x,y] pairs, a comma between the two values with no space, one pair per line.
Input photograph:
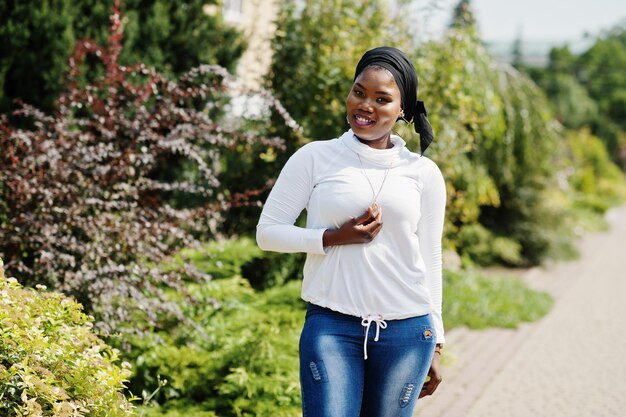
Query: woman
[375,214]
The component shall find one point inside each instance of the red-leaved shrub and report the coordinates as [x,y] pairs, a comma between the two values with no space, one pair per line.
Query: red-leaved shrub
[84,205]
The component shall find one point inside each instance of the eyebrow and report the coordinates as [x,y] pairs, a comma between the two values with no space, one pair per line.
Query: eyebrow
[376,92]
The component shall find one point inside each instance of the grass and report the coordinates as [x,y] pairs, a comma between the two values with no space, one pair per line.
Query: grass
[479,301]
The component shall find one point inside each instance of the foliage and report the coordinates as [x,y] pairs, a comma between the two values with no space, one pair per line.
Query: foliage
[462,16]
[51,363]
[590,89]
[602,71]
[241,256]
[273,269]
[596,183]
[509,175]
[84,204]
[478,301]
[249,170]
[180,411]
[243,362]
[571,103]
[171,36]
[478,245]
[222,258]
[32,62]
[589,184]
[496,147]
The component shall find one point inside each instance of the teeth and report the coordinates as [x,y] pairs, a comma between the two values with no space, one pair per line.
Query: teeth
[362,119]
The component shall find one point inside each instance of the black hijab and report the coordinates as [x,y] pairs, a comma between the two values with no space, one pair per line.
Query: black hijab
[403,71]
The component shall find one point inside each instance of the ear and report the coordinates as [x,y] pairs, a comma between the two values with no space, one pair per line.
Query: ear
[401,113]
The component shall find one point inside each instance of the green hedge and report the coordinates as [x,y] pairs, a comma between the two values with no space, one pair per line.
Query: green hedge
[51,362]
[241,360]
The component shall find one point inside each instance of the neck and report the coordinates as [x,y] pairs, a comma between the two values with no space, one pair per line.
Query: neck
[381,143]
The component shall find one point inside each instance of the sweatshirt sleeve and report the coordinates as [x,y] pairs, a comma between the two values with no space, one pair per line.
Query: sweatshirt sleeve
[430,233]
[276,230]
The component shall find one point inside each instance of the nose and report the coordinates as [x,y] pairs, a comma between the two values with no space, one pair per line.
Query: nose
[365,104]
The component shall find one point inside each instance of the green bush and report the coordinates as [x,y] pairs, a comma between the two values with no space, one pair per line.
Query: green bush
[498,149]
[478,301]
[227,258]
[596,182]
[590,184]
[273,269]
[478,245]
[51,363]
[241,361]
[222,258]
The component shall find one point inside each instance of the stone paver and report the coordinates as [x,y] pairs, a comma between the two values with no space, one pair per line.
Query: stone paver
[571,363]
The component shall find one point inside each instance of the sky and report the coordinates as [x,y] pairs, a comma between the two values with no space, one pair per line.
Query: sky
[542,20]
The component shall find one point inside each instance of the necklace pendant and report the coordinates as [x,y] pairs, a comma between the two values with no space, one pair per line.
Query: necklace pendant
[374,209]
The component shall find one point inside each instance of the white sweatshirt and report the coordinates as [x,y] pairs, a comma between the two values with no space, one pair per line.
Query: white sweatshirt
[398,274]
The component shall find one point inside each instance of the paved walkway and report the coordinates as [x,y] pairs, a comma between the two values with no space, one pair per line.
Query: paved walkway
[572,363]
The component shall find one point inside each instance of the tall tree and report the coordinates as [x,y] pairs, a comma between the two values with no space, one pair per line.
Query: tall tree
[601,70]
[570,101]
[38,37]
[517,52]
[462,16]
[562,60]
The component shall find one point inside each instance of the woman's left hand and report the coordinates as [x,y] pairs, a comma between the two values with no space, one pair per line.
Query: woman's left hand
[434,375]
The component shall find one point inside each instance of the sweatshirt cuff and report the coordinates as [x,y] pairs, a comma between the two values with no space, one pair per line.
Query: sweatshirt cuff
[438,324]
[316,242]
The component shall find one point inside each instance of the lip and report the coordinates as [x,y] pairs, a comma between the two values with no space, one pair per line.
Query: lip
[362,120]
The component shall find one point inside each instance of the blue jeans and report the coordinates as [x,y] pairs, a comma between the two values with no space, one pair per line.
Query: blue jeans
[337,380]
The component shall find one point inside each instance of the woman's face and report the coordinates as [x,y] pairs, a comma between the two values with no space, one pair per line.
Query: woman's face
[373,105]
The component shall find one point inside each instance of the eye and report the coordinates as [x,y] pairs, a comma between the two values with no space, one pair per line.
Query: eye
[358,93]
[383,100]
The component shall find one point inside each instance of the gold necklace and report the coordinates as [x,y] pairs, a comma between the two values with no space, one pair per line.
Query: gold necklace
[374,207]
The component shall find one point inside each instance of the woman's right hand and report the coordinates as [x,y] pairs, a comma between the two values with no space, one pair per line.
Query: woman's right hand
[361,229]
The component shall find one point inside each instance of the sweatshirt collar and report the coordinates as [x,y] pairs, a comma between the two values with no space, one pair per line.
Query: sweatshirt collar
[386,157]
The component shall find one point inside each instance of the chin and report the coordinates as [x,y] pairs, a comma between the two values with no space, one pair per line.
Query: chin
[366,134]
[367,138]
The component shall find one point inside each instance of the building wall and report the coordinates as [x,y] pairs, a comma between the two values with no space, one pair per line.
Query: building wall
[255,19]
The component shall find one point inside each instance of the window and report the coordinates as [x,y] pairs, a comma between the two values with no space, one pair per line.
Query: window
[233,11]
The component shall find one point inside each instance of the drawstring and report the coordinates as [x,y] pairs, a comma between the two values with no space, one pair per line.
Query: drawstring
[366,322]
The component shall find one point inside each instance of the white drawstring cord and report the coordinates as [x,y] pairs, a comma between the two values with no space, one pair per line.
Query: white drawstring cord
[366,322]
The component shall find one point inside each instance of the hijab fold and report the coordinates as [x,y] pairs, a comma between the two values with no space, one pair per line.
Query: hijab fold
[405,75]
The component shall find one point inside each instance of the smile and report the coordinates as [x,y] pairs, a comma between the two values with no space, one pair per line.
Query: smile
[363,120]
